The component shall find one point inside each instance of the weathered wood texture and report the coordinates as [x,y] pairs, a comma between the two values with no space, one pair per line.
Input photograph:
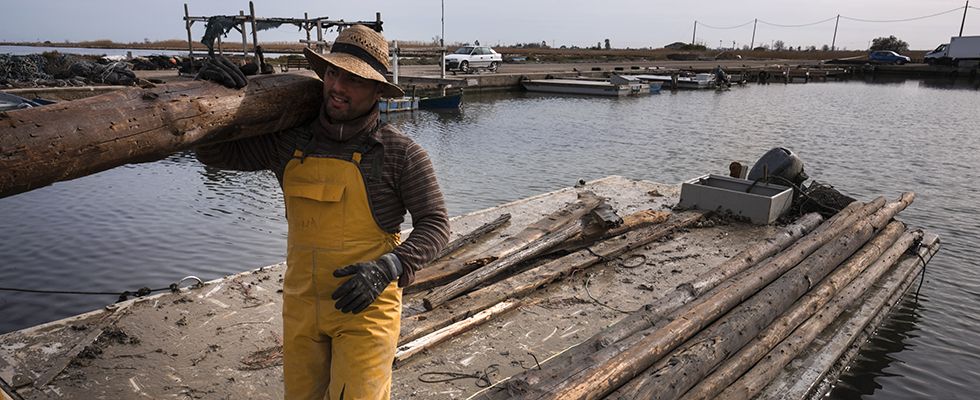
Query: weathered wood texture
[416,346]
[613,366]
[569,224]
[685,366]
[523,283]
[595,232]
[43,145]
[565,363]
[473,236]
[753,381]
[803,309]
[450,268]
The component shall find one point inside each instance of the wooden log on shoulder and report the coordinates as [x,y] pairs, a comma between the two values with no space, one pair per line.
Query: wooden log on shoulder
[565,363]
[449,269]
[752,383]
[569,226]
[613,366]
[525,282]
[689,363]
[752,352]
[43,145]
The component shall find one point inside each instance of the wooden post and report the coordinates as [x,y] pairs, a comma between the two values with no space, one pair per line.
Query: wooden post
[306,27]
[72,139]
[319,36]
[220,51]
[473,236]
[190,40]
[255,36]
[412,348]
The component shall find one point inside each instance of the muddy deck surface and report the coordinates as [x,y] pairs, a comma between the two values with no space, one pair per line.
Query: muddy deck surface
[223,340]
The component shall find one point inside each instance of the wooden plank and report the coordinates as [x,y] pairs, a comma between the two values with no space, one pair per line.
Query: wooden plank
[43,145]
[416,346]
[61,363]
[568,225]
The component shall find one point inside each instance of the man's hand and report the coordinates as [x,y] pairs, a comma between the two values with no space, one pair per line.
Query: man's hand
[367,281]
[219,69]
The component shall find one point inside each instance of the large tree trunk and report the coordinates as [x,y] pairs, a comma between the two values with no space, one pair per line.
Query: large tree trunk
[610,367]
[43,145]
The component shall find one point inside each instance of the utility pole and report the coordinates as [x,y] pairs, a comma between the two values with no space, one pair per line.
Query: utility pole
[967,7]
[752,46]
[442,43]
[833,43]
[695,34]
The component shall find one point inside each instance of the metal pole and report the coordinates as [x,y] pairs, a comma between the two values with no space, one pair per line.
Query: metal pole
[833,43]
[967,7]
[190,41]
[255,36]
[319,36]
[754,24]
[442,43]
[244,37]
[695,34]
[394,65]
[306,26]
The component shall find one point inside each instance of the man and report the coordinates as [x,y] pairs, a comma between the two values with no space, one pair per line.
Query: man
[347,181]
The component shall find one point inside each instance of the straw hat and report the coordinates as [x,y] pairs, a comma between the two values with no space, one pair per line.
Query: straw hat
[360,51]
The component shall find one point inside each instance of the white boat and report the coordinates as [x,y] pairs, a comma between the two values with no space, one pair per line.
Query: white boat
[699,81]
[615,86]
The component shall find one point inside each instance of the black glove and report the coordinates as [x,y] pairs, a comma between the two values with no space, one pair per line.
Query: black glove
[367,281]
[219,69]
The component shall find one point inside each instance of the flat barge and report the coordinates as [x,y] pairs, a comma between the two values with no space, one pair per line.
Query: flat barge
[539,321]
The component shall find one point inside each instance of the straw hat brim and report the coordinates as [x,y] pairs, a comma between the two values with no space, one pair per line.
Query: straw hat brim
[347,62]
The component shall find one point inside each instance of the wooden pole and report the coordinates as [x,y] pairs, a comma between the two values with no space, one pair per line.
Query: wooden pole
[833,43]
[645,317]
[474,236]
[613,366]
[306,27]
[527,281]
[73,139]
[757,378]
[416,346]
[747,357]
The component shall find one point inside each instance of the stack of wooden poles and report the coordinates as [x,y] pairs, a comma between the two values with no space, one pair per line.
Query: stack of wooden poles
[730,332]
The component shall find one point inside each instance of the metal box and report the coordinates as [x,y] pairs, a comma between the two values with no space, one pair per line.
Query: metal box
[761,203]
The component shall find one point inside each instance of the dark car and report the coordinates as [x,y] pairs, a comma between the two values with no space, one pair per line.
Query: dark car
[888,57]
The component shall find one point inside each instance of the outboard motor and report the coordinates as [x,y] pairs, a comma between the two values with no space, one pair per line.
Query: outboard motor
[779,166]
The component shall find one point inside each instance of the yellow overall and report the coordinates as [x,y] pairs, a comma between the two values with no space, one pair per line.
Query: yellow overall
[329,354]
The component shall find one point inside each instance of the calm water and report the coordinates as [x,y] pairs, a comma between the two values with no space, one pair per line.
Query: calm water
[151,224]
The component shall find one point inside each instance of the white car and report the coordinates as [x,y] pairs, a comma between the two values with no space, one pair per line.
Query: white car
[471,58]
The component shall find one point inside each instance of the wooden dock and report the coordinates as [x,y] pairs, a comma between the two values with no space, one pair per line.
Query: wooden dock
[515,335]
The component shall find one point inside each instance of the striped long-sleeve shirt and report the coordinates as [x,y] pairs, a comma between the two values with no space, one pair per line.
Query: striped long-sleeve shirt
[397,173]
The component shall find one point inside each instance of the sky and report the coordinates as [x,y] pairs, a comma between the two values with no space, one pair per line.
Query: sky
[626,23]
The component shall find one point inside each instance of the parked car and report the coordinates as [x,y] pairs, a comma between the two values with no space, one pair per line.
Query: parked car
[888,57]
[471,58]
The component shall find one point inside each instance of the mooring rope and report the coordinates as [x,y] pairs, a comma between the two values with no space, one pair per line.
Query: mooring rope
[123,295]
